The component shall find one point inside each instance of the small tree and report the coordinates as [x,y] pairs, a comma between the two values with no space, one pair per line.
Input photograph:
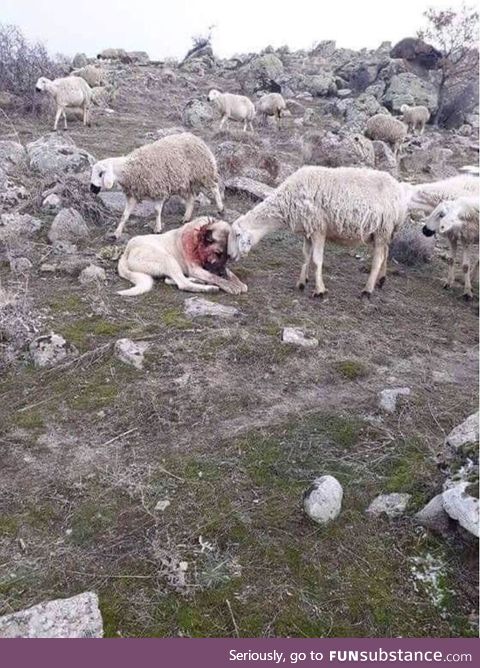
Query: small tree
[455,33]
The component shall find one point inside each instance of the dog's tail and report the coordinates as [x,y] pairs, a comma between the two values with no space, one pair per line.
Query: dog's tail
[142,282]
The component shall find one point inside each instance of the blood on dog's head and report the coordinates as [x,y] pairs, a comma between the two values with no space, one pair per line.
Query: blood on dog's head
[207,246]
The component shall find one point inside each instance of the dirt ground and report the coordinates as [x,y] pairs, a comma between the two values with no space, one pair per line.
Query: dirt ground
[231,426]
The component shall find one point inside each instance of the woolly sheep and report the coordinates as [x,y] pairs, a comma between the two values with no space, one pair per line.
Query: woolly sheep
[346,205]
[415,117]
[387,129]
[112,54]
[233,107]
[457,220]
[424,197]
[178,164]
[271,104]
[67,92]
[94,76]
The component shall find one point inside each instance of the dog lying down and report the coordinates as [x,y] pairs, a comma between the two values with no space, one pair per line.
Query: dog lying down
[192,257]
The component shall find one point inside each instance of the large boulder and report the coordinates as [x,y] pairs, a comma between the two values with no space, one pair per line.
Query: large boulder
[260,72]
[198,114]
[50,349]
[417,51]
[460,505]
[336,150]
[55,155]
[407,88]
[68,225]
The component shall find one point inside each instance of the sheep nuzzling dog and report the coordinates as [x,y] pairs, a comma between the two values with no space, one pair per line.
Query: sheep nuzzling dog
[192,257]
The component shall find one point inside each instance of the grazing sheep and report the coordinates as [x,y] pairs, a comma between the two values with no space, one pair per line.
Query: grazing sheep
[457,220]
[179,164]
[424,197]
[415,117]
[233,107]
[67,92]
[94,76]
[112,54]
[271,104]
[346,205]
[387,129]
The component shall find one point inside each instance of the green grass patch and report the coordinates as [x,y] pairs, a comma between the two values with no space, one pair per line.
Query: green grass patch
[350,369]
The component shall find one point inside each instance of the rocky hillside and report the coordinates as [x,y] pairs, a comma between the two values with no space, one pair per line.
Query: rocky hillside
[176,457]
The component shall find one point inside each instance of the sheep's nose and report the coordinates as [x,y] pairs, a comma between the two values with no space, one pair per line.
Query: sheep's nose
[94,189]
[427,231]
[38,89]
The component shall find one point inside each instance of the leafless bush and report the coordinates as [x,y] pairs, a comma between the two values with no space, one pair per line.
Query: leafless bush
[21,64]
[411,247]
[18,324]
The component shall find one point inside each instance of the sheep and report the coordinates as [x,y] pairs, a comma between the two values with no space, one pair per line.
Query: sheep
[233,107]
[112,54]
[387,129]
[346,205]
[457,220]
[415,117]
[424,197]
[94,76]
[178,164]
[271,104]
[67,92]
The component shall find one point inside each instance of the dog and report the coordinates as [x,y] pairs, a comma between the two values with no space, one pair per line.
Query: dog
[192,257]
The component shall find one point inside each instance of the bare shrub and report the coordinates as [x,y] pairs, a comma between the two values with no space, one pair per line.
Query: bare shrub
[18,324]
[409,246]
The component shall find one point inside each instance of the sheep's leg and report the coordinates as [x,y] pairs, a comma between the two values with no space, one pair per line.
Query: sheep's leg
[318,245]
[218,198]
[379,255]
[450,280]
[127,212]
[382,276]
[245,125]
[64,119]
[189,209]
[307,257]
[173,270]
[232,284]
[250,125]
[222,122]
[57,117]
[467,291]
[158,221]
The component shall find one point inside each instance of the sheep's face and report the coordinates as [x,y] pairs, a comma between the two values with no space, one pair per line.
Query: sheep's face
[213,95]
[432,223]
[240,242]
[102,177]
[41,84]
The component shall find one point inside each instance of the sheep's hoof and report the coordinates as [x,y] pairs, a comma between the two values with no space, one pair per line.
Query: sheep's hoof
[112,236]
[319,295]
[366,294]
[381,282]
[301,285]
[446,286]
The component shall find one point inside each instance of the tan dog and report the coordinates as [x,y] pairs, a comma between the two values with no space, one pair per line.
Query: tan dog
[192,257]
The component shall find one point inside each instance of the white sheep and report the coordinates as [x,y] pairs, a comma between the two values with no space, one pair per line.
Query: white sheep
[457,220]
[94,76]
[179,164]
[271,104]
[424,197]
[346,205]
[67,92]
[415,117]
[233,107]
[388,129]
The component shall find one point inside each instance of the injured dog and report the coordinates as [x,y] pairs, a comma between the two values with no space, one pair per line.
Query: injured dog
[192,257]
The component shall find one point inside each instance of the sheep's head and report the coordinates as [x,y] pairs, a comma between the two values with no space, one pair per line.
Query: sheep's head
[42,83]
[102,176]
[432,223]
[404,108]
[240,241]
[213,94]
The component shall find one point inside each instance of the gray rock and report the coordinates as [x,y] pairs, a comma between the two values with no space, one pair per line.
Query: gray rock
[79,60]
[320,84]
[15,225]
[50,349]
[92,274]
[12,155]
[463,507]
[56,154]
[296,337]
[392,505]
[20,265]
[68,225]
[130,352]
[52,203]
[255,189]
[75,617]
[338,150]
[433,515]
[323,501]
[407,88]
[464,433]
[384,158]
[388,398]
[196,307]
[259,72]
[198,114]
[115,203]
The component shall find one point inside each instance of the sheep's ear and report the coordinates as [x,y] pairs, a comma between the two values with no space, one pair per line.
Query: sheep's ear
[108,178]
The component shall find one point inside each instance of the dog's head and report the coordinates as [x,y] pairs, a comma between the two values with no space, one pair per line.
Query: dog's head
[212,246]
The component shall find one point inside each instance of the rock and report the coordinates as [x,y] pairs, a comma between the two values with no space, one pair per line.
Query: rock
[407,88]
[344,92]
[92,274]
[103,96]
[296,337]
[52,203]
[20,265]
[460,506]
[255,189]
[15,225]
[323,501]
[9,101]
[388,398]
[198,114]
[410,247]
[50,349]
[162,505]
[384,158]
[56,154]
[433,515]
[139,57]
[337,150]
[260,72]
[416,50]
[130,352]
[79,60]
[196,307]
[321,84]
[115,202]
[12,155]
[464,433]
[68,225]
[64,248]
[392,505]
[75,617]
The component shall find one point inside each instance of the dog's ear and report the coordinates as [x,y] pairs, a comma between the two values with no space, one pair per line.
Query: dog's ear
[206,236]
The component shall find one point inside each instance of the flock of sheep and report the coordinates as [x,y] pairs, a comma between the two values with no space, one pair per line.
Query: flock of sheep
[345,205]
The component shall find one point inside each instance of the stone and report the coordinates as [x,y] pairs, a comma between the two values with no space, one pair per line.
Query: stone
[320,85]
[392,505]
[195,307]
[255,189]
[50,349]
[463,507]
[130,352]
[260,72]
[75,617]
[115,202]
[433,515]
[12,155]
[15,225]
[68,225]
[388,398]
[20,265]
[162,505]
[92,274]
[464,433]
[384,159]
[336,150]
[55,154]
[296,337]
[416,50]
[407,88]
[198,114]
[52,203]
[323,501]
